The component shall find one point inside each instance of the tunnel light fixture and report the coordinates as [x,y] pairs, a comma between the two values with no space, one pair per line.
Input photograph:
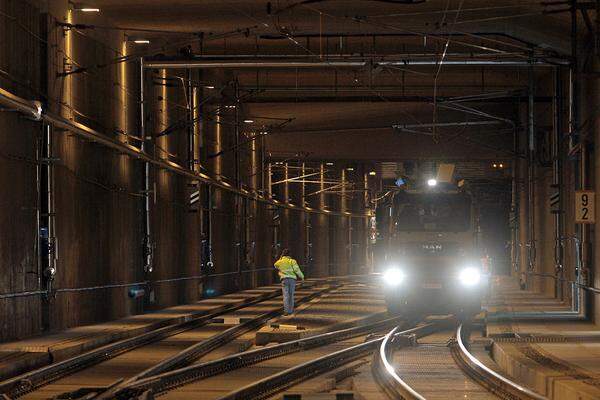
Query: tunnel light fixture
[329,164]
[83,7]
[211,87]
[141,41]
[432,182]
[350,169]
[248,121]
[372,173]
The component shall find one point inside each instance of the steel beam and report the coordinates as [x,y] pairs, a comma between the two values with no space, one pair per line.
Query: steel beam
[178,64]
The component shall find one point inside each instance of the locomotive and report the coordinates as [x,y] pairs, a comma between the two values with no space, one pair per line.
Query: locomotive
[427,254]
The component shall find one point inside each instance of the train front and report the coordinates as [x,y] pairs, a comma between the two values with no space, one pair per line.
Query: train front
[431,265]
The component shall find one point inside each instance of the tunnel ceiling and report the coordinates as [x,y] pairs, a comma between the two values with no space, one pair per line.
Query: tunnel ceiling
[526,20]
[369,111]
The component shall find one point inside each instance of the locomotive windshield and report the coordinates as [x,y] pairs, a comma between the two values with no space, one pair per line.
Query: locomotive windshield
[437,212]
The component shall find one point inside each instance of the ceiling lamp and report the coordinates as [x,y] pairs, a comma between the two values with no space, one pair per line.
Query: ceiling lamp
[84,7]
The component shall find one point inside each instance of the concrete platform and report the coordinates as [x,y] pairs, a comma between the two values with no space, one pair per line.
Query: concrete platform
[558,359]
[20,356]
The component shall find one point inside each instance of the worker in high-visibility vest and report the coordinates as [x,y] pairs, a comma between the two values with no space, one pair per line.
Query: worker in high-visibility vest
[289,271]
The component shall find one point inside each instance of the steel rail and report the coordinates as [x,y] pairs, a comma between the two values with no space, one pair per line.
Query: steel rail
[27,382]
[385,374]
[194,352]
[488,378]
[267,387]
[174,379]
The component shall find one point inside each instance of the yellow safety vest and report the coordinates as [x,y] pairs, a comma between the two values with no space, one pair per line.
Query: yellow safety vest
[288,268]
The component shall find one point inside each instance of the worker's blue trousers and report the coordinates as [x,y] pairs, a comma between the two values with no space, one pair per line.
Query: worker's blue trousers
[288,286]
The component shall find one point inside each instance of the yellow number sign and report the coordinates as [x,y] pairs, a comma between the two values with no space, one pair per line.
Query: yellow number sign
[585,210]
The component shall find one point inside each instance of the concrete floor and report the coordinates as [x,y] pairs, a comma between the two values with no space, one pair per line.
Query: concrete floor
[560,359]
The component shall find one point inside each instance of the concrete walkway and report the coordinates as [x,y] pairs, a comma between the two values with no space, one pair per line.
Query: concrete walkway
[558,359]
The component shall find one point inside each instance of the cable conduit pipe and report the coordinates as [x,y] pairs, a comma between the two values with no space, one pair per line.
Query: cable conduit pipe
[7,99]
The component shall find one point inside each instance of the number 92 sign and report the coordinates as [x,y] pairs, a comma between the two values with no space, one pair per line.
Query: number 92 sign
[585,211]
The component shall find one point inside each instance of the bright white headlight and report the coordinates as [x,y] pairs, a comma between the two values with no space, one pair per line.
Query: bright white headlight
[470,276]
[393,277]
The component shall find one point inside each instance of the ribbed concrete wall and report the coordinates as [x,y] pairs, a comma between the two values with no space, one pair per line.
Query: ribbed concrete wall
[99,193]
[20,63]
[18,207]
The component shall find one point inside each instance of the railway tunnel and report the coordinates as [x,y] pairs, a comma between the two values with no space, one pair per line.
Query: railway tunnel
[430,166]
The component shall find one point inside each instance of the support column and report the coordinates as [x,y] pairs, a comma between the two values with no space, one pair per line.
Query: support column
[221,209]
[284,226]
[340,231]
[297,229]
[557,184]
[148,240]
[531,243]
[523,207]
[595,312]
[320,232]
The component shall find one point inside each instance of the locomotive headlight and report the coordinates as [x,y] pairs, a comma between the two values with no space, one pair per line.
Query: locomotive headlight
[393,277]
[469,276]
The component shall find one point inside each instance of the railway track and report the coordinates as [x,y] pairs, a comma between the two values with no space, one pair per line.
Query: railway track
[443,370]
[269,386]
[164,383]
[29,384]
[445,360]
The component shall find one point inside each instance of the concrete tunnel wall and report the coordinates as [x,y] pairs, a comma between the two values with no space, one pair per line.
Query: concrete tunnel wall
[587,126]
[98,193]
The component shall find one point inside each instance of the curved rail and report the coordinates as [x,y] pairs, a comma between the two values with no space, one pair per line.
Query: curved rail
[267,387]
[488,378]
[385,375]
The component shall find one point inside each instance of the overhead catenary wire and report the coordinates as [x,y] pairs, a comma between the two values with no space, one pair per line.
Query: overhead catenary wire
[433,36]
[439,69]
[464,10]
